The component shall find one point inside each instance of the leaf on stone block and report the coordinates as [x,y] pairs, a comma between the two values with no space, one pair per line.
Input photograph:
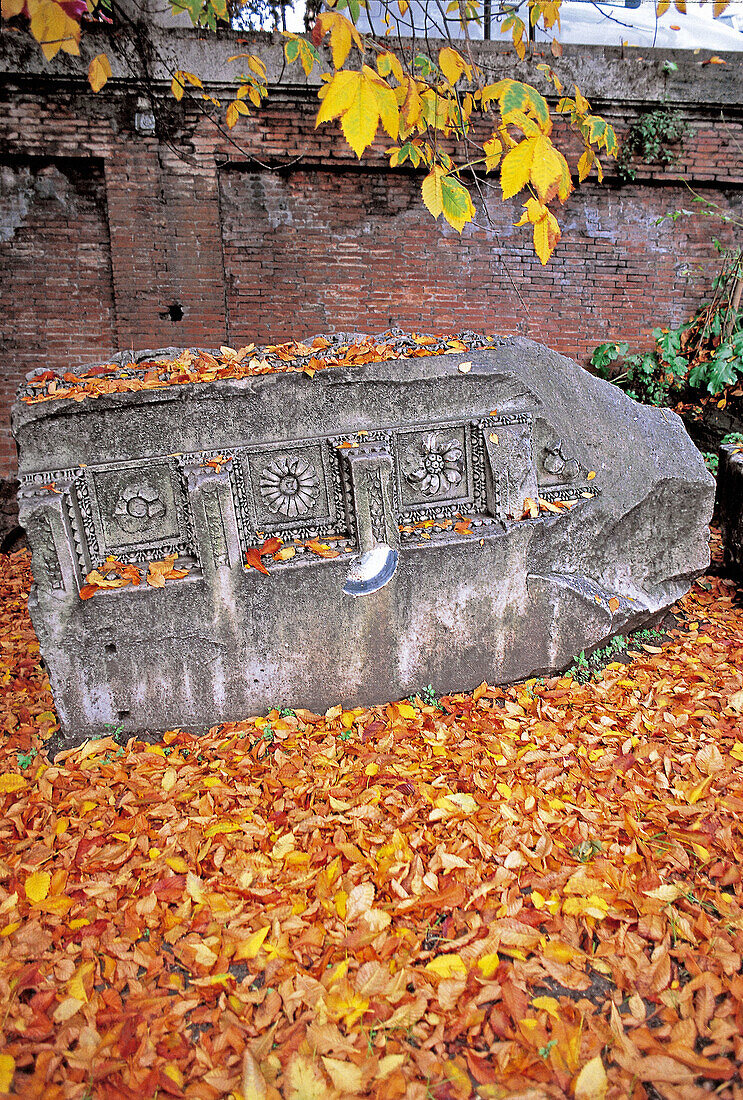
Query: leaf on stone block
[321,549]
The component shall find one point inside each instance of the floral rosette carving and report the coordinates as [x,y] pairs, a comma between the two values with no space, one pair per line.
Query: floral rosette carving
[438,465]
[138,507]
[289,486]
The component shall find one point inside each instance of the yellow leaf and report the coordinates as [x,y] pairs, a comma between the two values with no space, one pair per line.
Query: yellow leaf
[304,1081]
[346,1076]
[53,29]
[591,1083]
[388,1064]
[549,1004]
[592,906]
[76,984]
[662,7]
[9,929]
[591,475]
[373,769]
[37,886]
[99,71]
[194,887]
[447,966]
[177,87]
[341,904]
[222,827]
[405,710]
[456,202]
[343,35]
[177,864]
[11,782]
[488,964]
[719,8]
[516,167]
[737,750]
[546,169]
[431,190]
[250,948]
[11,8]
[458,1078]
[174,1074]
[169,779]
[453,65]
[585,164]
[361,100]
[7,1062]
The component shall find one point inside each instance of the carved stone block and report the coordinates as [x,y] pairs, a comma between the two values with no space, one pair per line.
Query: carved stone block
[410,463]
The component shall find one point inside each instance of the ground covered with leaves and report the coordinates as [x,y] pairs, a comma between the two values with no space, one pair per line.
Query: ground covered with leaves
[525,892]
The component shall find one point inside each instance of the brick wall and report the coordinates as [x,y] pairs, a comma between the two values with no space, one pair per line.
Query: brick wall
[111,239]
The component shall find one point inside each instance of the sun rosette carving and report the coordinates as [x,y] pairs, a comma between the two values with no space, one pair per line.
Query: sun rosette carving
[289,486]
[437,464]
[138,507]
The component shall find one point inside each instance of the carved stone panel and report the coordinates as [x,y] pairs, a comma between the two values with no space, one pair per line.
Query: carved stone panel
[135,511]
[512,472]
[291,490]
[434,470]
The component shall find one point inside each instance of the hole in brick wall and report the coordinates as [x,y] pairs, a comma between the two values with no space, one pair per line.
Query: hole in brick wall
[123,714]
[174,312]
[110,649]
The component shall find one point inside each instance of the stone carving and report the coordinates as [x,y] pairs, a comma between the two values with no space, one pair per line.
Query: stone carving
[47,551]
[293,492]
[289,486]
[556,465]
[215,523]
[438,465]
[505,598]
[139,507]
[513,479]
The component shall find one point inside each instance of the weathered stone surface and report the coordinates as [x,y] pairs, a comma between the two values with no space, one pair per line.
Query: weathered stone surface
[729,505]
[515,597]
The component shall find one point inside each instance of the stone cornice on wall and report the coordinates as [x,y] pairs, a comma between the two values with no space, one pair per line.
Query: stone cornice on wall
[606,75]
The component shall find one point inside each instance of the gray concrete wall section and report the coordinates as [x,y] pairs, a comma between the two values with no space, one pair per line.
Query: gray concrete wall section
[128,477]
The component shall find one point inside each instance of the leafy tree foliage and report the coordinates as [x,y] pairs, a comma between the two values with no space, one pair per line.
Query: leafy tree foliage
[424,96]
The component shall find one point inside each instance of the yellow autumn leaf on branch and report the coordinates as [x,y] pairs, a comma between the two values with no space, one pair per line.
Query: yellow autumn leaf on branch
[445,194]
[362,100]
[343,35]
[549,172]
[99,71]
[453,65]
[53,28]
[516,167]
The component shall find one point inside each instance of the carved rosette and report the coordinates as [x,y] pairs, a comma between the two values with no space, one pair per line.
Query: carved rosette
[436,465]
[139,507]
[289,486]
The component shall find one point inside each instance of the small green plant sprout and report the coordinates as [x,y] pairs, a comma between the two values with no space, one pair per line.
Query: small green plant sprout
[427,696]
[544,1052]
[25,759]
[286,712]
[656,138]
